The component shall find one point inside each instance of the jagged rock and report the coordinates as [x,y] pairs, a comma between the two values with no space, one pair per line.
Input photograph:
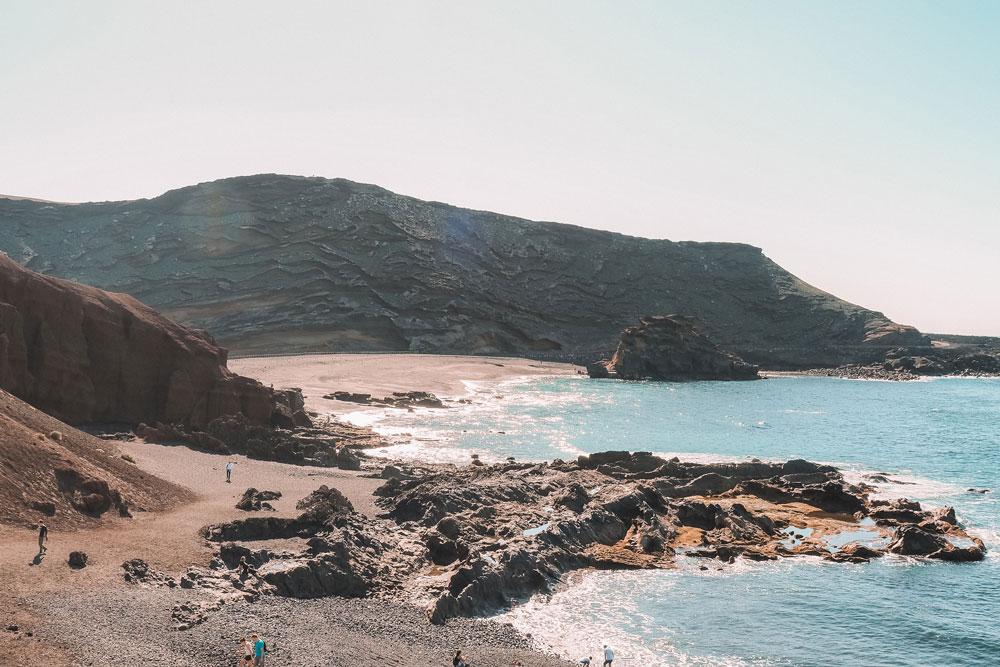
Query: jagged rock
[77,559]
[474,539]
[912,540]
[347,459]
[672,347]
[324,505]
[254,500]
[954,554]
[574,496]
[138,572]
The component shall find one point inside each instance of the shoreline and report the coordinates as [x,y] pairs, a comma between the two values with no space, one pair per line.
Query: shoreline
[382,374]
[388,629]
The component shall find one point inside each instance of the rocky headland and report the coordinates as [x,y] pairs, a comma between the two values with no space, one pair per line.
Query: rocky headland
[86,355]
[962,359]
[670,347]
[274,263]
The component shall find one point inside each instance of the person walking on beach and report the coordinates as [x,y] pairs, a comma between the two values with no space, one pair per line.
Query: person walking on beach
[247,650]
[259,650]
[609,656]
[229,472]
[43,536]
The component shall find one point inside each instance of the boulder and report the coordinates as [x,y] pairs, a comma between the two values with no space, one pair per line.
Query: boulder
[254,500]
[77,559]
[324,504]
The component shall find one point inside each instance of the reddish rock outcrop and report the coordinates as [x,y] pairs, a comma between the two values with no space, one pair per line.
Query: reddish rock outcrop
[671,347]
[86,355]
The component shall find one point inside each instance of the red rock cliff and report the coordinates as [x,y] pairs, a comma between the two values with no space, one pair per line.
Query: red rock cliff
[86,355]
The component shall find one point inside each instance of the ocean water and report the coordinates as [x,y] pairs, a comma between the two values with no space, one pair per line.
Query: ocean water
[933,439]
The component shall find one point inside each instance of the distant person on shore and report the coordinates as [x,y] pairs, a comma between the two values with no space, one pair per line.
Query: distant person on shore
[245,568]
[229,472]
[43,536]
[586,661]
[259,650]
[247,650]
[459,661]
[609,656]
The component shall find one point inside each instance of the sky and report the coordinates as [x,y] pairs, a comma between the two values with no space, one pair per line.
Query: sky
[857,143]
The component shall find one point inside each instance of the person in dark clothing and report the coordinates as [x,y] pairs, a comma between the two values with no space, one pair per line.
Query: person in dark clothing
[245,568]
[43,536]
[459,661]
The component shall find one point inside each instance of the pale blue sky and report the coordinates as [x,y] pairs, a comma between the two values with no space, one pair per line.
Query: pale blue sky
[857,143]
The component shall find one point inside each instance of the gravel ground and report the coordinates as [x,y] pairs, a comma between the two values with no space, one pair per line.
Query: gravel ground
[125,628]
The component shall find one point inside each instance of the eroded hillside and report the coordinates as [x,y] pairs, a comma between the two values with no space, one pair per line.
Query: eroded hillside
[280,263]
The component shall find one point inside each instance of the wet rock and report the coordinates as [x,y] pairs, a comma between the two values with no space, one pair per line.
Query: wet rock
[944,514]
[77,559]
[912,540]
[855,553]
[969,554]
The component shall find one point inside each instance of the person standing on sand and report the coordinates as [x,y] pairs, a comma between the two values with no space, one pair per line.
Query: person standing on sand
[609,656]
[259,649]
[229,472]
[43,536]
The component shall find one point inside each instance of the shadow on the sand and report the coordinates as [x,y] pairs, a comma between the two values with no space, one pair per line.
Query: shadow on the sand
[37,560]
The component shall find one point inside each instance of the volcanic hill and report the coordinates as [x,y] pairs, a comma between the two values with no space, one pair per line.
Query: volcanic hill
[273,263]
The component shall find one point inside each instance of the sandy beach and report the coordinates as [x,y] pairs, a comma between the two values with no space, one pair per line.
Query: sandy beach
[382,374]
[92,617]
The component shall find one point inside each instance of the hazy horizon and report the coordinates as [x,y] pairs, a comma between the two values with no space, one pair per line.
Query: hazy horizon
[856,144]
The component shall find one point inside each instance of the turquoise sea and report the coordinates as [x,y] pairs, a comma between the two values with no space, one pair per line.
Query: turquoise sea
[934,439]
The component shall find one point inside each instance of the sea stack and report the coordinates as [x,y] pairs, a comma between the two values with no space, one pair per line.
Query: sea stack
[672,348]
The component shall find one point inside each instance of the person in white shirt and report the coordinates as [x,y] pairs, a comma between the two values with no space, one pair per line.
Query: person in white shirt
[229,472]
[609,656]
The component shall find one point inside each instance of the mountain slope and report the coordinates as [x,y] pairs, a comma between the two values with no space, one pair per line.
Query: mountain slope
[281,263]
[48,469]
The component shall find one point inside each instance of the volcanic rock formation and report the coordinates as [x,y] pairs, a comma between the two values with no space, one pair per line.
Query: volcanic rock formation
[85,355]
[283,263]
[473,540]
[670,347]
